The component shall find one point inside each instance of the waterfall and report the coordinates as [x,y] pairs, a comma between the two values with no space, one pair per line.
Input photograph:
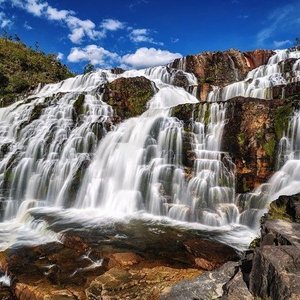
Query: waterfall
[60,150]
[286,181]
[260,81]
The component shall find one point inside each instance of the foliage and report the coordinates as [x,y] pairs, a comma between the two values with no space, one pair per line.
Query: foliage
[22,68]
[88,68]
[241,139]
[269,147]
[255,243]
[282,116]
[278,212]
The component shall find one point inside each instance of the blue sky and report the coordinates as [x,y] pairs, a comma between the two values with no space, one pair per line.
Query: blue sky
[141,33]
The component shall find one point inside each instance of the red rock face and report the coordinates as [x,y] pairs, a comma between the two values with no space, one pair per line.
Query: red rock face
[257,58]
[221,68]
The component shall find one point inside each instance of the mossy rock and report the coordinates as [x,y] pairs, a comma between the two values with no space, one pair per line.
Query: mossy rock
[281,120]
[278,211]
[270,147]
[255,243]
[78,105]
[129,96]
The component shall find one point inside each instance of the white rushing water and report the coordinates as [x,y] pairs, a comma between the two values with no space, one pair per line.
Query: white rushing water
[58,149]
[260,81]
[287,180]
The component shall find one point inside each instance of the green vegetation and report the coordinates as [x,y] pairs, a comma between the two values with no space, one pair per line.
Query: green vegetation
[209,80]
[255,243]
[22,68]
[241,139]
[207,116]
[281,120]
[269,147]
[278,212]
[88,68]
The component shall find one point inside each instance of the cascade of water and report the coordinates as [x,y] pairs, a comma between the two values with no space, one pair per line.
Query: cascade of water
[48,146]
[48,141]
[287,180]
[259,81]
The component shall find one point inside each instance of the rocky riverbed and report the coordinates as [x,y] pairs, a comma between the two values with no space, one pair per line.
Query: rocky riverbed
[138,259]
[269,270]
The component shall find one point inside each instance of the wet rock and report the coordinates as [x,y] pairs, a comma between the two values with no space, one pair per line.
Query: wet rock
[206,287]
[258,57]
[285,208]
[128,96]
[221,68]
[282,232]
[236,289]
[45,292]
[251,136]
[117,71]
[210,255]
[126,259]
[6,294]
[275,272]
[140,284]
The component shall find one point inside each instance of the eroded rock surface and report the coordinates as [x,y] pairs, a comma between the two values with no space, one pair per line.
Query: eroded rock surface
[134,260]
[206,287]
[128,96]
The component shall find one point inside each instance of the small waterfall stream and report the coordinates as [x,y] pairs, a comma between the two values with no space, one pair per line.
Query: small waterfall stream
[59,150]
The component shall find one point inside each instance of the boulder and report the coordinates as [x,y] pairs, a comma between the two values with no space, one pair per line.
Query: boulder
[236,289]
[137,284]
[206,287]
[275,273]
[128,96]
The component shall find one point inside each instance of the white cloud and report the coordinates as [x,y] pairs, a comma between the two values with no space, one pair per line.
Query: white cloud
[4,21]
[149,57]
[142,35]
[55,14]
[94,54]
[112,24]
[60,56]
[282,20]
[82,28]
[79,29]
[35,7]
[279,44]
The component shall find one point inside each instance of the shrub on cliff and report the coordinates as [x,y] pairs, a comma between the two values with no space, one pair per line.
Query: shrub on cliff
[22,68]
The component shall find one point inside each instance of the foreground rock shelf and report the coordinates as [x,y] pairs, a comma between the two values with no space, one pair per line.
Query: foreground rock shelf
[270,271]
[136,260]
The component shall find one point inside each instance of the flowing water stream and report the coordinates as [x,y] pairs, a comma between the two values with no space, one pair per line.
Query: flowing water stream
[75,164]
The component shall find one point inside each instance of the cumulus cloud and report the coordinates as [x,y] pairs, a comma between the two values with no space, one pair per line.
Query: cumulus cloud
[79,29]
[142,35]
[112,24]
[94,54]
[54,14]
[82,28]
[279,44]
[35,7]
[4,21]
[142,58]
[149,57]
[60,56]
